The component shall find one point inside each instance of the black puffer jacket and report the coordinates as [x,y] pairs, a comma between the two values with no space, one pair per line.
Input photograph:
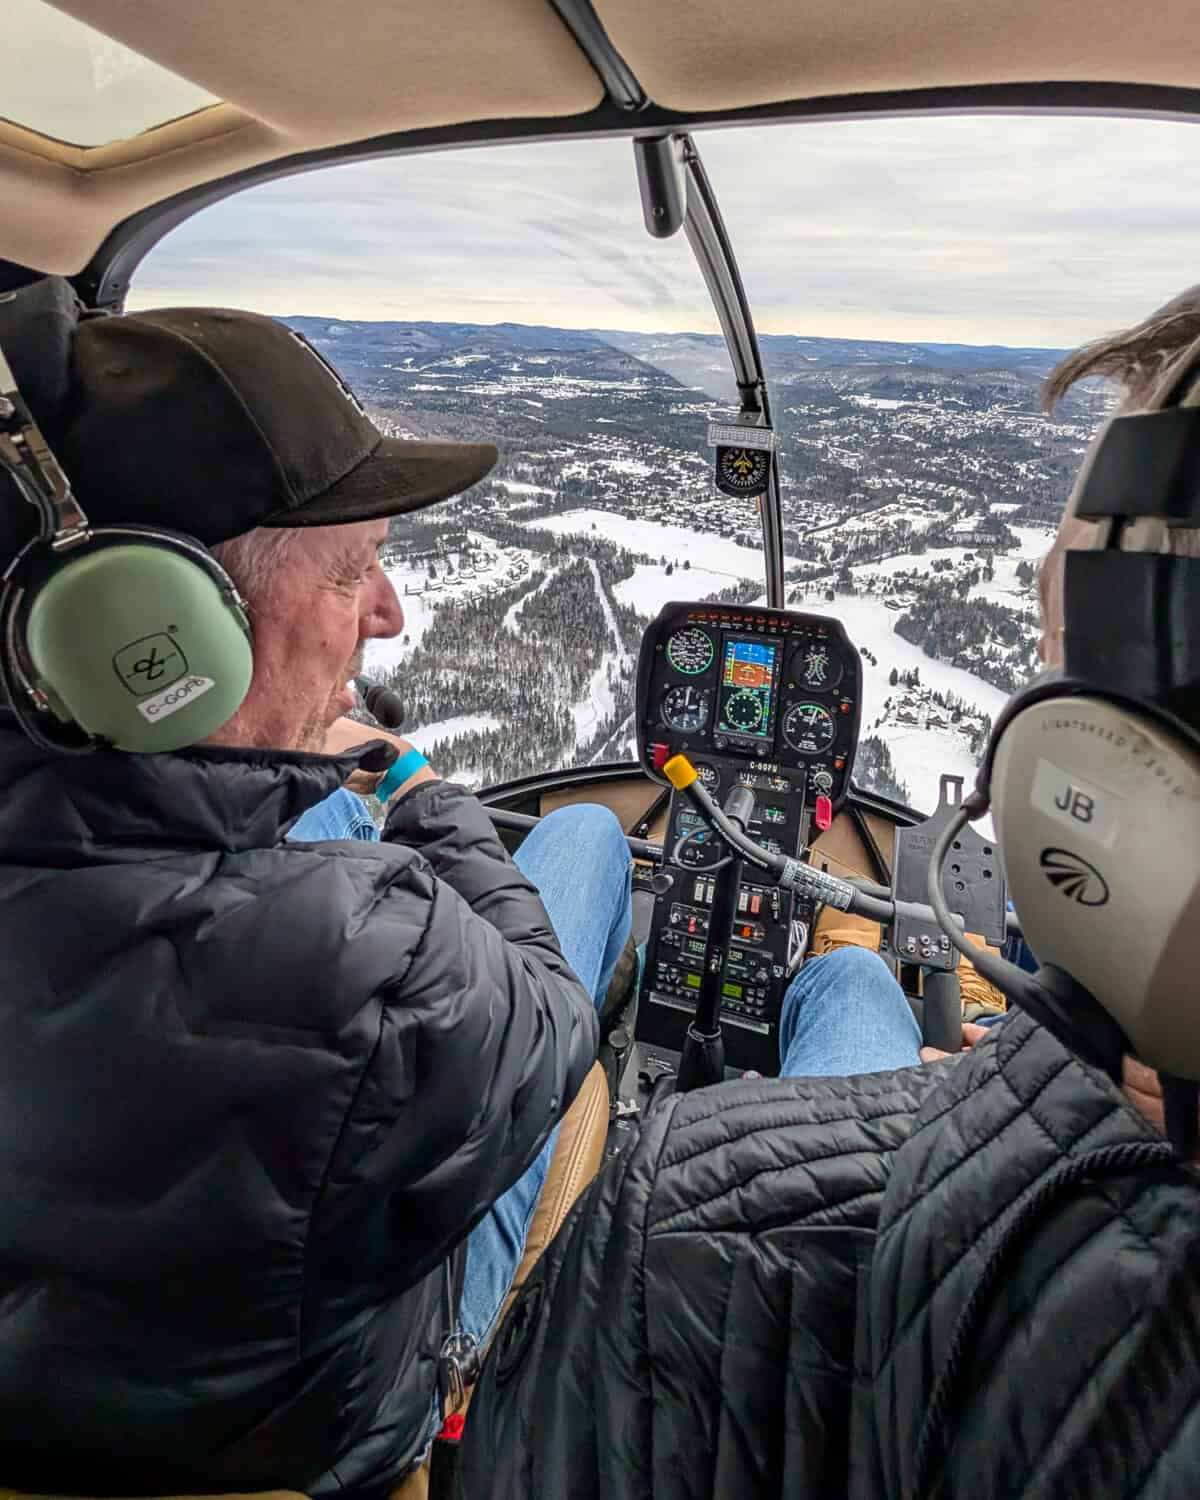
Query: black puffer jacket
[691,1330]
[719,1319]
[252,1095]
[1032,1326]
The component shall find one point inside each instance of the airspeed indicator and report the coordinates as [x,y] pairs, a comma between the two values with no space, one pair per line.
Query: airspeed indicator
[690,651]
[809,728]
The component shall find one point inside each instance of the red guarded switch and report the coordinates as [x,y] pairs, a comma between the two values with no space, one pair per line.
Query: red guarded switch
[659,756]
[824,813]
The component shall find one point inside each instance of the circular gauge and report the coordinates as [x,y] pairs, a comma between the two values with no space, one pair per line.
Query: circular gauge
[710,777]
[816,667]
[690,651]
[685,708]
[743,712]
[809,728]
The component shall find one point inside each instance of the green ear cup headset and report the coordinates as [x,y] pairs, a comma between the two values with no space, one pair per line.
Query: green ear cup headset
[118,636]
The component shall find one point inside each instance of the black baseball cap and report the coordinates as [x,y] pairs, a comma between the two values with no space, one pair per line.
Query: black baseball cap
[213,422]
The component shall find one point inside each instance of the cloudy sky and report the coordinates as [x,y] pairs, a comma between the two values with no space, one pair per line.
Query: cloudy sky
[998,229]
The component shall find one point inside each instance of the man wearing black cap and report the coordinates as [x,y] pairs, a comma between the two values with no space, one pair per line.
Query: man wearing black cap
[255,1094]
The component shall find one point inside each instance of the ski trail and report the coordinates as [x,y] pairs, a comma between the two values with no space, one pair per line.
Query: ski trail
[617,737]
[598,701]
[621,655]
[510,619]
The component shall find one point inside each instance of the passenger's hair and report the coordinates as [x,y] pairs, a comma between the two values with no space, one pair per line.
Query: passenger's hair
[1135,358]
[255,560]
[1147,361]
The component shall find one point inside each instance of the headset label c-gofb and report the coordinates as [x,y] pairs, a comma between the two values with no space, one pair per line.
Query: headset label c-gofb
[172,699]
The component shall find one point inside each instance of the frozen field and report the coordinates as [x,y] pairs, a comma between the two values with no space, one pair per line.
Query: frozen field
[704,550]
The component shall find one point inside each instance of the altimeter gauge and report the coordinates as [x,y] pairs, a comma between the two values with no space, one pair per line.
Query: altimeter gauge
[686,708]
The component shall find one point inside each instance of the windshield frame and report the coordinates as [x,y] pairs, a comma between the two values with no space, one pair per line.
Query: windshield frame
[712,247]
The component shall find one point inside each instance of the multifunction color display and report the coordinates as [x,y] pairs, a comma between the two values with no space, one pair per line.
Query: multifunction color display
[749,670]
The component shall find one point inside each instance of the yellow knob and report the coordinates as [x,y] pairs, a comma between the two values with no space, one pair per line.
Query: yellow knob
[680,772]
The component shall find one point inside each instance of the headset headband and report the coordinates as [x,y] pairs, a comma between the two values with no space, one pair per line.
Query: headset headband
[39,478]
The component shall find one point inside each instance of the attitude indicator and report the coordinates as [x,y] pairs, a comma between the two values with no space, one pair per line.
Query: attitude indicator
[749,671]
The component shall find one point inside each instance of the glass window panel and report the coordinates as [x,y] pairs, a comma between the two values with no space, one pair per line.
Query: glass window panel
[64,79]
[914,281]
[509,294]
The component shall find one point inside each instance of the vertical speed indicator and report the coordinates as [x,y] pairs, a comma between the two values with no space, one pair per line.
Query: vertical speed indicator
[691,651]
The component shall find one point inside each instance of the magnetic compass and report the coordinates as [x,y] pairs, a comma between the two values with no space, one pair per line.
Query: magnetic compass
[743,471]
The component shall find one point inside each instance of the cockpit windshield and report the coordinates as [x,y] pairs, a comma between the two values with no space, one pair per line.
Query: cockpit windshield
[912,282]
[511,295]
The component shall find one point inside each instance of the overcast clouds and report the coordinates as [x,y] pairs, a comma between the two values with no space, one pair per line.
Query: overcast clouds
[987,230]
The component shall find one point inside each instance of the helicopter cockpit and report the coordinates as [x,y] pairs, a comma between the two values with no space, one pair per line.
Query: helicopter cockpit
[757,310]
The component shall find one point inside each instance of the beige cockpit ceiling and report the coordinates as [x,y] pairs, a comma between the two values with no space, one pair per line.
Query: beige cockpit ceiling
[260,81]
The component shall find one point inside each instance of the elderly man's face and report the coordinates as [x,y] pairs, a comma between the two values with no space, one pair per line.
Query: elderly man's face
[331,597]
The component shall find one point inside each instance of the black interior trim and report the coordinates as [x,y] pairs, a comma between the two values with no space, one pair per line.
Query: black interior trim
[596,45]
[103,282]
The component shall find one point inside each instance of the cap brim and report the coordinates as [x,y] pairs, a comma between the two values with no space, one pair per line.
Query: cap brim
[401,475]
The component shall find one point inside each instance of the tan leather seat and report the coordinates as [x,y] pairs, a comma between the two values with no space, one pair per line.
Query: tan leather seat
[578,1153]
[576,1160]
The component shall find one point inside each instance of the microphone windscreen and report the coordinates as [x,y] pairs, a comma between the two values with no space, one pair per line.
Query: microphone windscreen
[384,704]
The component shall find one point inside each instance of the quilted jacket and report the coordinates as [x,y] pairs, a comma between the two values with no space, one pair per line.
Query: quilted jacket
[252,1095]
[978,1280]
[690,1332]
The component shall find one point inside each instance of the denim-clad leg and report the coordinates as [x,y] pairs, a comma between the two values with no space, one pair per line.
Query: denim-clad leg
[342,815]
[845,1013]
[579,861]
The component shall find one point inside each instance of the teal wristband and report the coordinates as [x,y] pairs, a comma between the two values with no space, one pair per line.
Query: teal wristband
[399,771]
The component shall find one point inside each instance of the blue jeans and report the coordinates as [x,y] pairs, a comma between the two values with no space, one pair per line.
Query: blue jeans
[579,861]
[845,1013]
[344,815]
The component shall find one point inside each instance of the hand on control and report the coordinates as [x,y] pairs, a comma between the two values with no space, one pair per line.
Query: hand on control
[971,1035]
[345,734]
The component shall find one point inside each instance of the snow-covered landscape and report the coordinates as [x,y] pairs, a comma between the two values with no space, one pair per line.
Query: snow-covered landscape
[921,486]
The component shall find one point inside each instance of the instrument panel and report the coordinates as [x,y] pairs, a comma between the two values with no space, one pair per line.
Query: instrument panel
[771,685]
[769,699]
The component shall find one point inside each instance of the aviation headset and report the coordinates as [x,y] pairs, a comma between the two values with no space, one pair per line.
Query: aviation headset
[1093,773]
[125,636]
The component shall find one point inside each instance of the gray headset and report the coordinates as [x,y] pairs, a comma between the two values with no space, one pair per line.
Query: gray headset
[1093,774]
